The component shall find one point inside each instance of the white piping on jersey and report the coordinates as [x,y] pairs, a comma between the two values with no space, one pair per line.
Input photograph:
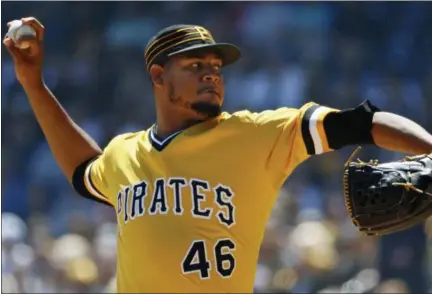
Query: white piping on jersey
[313,121]
[90,186]
[164,141]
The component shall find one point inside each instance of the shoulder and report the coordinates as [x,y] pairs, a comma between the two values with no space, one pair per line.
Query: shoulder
[267,116]
[126,141]
[242,116]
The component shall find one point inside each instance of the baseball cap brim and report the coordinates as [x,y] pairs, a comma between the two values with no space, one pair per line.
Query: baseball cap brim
[229,53]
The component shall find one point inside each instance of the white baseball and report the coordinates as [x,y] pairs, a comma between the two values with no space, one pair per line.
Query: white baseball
[18,31]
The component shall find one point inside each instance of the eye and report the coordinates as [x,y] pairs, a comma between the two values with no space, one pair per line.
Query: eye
[196,65]
[217,67]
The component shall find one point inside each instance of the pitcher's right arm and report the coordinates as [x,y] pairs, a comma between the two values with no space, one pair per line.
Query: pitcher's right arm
[70,145]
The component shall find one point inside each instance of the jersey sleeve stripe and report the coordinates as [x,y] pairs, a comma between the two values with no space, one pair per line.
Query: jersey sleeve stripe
[316,127]
[305,129]
[313,129]
[321,130]
[91,188]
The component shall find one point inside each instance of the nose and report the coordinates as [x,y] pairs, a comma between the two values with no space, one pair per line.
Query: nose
[211,77]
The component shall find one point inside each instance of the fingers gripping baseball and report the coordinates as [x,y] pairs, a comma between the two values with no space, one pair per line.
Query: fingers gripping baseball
[27,57]
[36,25]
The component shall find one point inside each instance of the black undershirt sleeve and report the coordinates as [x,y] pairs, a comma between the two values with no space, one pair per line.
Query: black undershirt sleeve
[351,126]
[78,182]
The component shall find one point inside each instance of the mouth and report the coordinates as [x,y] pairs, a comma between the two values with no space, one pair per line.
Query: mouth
[209,89]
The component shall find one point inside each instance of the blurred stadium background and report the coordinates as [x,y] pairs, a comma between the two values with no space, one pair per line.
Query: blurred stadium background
[336,54]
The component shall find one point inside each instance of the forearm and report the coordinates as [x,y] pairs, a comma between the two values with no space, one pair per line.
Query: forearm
[69,144]
[397,133]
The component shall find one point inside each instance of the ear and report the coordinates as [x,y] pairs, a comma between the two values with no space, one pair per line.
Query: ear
[156,72]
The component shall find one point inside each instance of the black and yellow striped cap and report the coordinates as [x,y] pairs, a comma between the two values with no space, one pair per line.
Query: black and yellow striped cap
[187,38]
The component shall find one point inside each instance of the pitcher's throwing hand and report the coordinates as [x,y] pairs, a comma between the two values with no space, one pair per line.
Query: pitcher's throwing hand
[28,62]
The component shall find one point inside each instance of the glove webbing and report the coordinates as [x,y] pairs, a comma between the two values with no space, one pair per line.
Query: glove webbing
[407,186]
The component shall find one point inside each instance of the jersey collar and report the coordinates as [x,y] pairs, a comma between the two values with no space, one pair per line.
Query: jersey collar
[158,142]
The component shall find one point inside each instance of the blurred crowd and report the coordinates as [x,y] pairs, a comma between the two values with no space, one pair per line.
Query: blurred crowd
[336,54]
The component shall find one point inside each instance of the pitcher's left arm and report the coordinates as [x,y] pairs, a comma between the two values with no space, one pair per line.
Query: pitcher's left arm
[397,133]
[366,124]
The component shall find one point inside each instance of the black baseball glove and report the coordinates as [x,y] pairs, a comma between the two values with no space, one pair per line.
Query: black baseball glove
[385,198]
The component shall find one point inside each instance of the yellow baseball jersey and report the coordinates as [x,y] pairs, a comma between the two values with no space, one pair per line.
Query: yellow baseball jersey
[192,208]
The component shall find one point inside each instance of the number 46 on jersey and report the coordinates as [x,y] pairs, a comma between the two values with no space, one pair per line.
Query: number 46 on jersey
[197,259]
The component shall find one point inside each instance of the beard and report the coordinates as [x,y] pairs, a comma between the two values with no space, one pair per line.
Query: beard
[210,110]
[206,109]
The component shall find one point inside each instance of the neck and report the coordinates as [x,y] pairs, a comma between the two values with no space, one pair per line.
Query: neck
[165,128]
[171,119]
